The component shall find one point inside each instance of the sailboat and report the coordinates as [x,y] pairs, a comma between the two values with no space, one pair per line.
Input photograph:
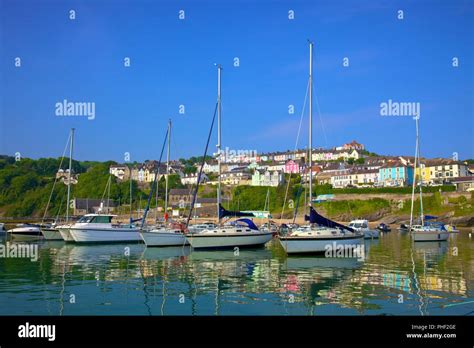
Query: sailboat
[241,233]
[321,232]
[169,234]
[61,232]
[423,232]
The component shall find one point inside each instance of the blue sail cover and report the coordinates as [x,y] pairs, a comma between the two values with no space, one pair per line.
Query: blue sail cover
[430,217]
[223,213]
[316,218]
[249,222]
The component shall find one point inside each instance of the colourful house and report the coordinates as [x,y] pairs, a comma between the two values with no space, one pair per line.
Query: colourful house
[395,174]
[424,173]
[292,166]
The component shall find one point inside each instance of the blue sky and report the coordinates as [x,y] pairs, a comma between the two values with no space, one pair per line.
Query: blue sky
[407,60]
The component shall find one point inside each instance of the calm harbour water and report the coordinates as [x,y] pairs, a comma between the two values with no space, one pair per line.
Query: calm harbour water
[432,278]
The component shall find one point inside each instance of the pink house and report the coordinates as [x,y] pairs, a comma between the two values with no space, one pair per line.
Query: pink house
[292,167]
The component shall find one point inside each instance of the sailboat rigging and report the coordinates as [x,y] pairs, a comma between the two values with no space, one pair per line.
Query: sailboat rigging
[242,232]
[320,231]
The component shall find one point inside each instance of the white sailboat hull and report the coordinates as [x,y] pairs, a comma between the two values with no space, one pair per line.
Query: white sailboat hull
[65,234]
[165,238]
[51,234]
[305,245]
[229,240]
[429,236]
[106,235]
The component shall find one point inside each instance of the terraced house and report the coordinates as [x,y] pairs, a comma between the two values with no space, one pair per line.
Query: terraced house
[395,174]
[443,170]
[267,178]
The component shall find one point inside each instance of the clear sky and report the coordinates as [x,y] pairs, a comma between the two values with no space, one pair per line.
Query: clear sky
[82,60]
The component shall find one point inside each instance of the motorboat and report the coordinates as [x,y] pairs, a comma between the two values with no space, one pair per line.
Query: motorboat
[383,227]
[26,232]
[98,228]
[363,226]
[403,228]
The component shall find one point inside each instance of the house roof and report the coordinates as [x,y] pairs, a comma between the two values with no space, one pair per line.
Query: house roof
[462,179]
[180,192]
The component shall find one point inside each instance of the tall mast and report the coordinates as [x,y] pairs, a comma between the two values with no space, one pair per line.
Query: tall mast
[69,175]
[310,123]
[415,164]
[419,166]
[131,212]
[219,69]
[167,166]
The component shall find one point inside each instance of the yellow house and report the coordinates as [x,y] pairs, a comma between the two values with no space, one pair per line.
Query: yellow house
[425,173]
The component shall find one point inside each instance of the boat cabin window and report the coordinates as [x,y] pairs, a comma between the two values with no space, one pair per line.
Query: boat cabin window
[238,230]
[359,225]
[85,219]
[102,219]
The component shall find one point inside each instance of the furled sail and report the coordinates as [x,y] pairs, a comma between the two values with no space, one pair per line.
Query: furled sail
[223,213]
[315,218]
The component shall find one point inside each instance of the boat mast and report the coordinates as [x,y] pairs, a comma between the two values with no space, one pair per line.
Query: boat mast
[167,167]
[131,211]
[415,165]
[310,123]
[219,69]
[419,166]
[69,175]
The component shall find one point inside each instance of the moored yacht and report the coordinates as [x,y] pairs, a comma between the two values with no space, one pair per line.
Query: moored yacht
[242,233]
[425,231]
[320,233]
[55,231]
[65,233]
[363,226]
[164,236]
[98,228]
[169,233]
[51,233]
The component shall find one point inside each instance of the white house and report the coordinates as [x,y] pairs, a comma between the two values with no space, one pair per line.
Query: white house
[364,177]
[267,178]
[120,171]
[191,179]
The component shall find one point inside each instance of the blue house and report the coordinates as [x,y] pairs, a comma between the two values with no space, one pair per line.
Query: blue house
[396,174]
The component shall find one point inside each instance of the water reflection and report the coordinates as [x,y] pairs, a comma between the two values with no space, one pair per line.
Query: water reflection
[396,276]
